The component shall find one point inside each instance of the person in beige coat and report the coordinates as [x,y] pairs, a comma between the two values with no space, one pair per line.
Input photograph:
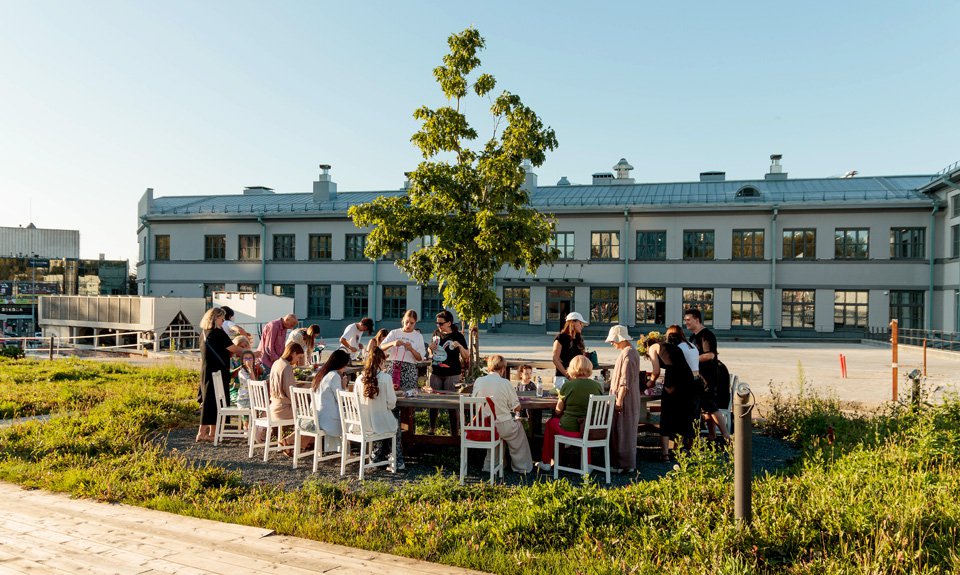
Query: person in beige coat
[625,387]
[505,401]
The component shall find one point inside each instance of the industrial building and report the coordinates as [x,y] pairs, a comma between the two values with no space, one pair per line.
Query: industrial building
[774,255]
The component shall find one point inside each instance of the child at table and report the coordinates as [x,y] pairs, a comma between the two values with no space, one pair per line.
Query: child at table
[526,379]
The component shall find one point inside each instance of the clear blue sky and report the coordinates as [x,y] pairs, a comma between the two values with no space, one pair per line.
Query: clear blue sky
[102,99]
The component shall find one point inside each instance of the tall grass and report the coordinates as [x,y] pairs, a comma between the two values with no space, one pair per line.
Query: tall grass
[882,498]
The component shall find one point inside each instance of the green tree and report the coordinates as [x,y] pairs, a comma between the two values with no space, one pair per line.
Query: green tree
[469,201]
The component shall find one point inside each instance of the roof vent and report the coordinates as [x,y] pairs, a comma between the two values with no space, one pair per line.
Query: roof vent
[602,179]
[622,169]
[529,178]
[257,191]
[776,170]
[406,181]
[563,181]
[748,192]
[324,189]
[713,176]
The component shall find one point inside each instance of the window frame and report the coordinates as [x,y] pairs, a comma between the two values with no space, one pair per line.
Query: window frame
[397,298]
[659,306]
[244,248]
[651,251]
[955,241]
[210,248]
[431,301]
[914,309]
[282,250]
[739,245]
[801,233]
[860,309]
[284,290]
[844,249]
[350,249]
[596,249]
[568,248]
[798,309]
[915,246]
[164,240]
[705,305]
[319,304]
[245,287]
[699,250]
[516,298]
[358,301]
[315,251]
[597,315]
[752,308]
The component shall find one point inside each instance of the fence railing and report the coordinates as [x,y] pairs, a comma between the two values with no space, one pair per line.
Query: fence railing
[936,339]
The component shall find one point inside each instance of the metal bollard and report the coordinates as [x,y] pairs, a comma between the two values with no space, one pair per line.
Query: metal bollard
[743,455]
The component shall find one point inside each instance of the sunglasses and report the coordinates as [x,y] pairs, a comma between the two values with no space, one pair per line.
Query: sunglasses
[441,322]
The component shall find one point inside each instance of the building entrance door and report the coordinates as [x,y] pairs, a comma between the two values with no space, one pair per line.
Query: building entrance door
[559,304]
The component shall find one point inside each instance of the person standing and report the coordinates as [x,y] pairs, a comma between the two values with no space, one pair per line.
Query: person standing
[448,351]
[273,340]
[625,387]
[230,326]
[568,345]
[215,351]
[404,347]
[307,338]
[679,403]
[498,389]
[716,393]
[350,340]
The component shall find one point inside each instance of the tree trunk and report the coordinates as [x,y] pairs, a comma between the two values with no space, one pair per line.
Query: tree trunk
[474,351]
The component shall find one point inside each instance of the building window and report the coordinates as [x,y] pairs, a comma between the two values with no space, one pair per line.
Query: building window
[162,251]
[955,206]
[283,290]
[356,243]
[849,308]
[799,244]
[559,303]
[605,245]
[395,255]
[248,288]
[249,247]
[431,302]
[394,301]
[284,247]
[208,290]
[955,241]
[604,305]
[748,244]
[318,301]
[852,244]
[651,306]
[214,247]
[797,308]
[428,242]
[321,247]
[746,307]
[563,241]
[651,245]
[907,243]
[701,299]
[355,301]
[698,244]
[516,304]
[906,306]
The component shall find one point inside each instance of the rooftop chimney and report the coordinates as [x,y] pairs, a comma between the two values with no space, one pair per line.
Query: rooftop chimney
[406,181]
[602,179]
[530,179]
[713,176]
[324,189]
[622,168]
[563,181]
[776,170]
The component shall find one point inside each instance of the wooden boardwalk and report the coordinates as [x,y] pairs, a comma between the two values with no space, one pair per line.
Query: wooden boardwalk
[43,532]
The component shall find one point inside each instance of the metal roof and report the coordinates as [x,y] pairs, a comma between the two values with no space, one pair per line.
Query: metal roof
[819,192]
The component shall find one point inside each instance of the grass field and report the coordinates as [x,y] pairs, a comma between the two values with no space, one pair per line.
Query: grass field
[884,497]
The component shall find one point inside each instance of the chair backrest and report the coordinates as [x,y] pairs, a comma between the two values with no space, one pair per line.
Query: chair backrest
[303,410]
[218,390]
[259,400]
[349,405]
[477,419]
[599,417]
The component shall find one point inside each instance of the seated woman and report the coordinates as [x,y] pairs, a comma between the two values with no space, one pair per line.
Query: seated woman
[280,382]
[680,400]
[505,402]
[377,400]
[250,370]
[325,385]
[571,408]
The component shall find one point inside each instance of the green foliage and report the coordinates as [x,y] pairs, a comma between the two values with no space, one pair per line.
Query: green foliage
[881,499]
[469,201]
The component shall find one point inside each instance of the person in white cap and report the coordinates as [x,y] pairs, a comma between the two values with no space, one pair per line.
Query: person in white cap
[625,387]
[568,345]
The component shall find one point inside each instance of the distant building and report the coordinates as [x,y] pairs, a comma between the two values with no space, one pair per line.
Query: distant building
[799,257]
[32,241]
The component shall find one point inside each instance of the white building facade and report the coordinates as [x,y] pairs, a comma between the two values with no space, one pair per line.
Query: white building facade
[794,257]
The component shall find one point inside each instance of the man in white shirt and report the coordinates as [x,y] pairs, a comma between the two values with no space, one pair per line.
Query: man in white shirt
[350,340]
[505,401]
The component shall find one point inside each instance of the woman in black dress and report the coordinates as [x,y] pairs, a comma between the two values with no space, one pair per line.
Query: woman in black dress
[568,345]
[679,403]
[215,351]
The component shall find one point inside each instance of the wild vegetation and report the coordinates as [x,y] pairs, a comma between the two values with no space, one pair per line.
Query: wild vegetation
[880,497]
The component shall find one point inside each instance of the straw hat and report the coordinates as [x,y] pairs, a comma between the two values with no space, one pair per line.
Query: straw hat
[618,333]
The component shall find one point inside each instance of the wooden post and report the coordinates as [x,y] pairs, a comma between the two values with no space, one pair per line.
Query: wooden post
[894,337]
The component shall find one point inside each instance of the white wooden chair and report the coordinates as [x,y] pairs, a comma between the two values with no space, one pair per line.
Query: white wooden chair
[728,412]
[305,425]
[478,430]
[354,430]
[225,427]
[596,433]
[261,417]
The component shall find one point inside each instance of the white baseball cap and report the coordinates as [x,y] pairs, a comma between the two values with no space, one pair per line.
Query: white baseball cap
[618,333]
[575,316]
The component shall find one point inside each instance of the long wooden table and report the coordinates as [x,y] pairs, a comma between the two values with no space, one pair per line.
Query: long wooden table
[408,406]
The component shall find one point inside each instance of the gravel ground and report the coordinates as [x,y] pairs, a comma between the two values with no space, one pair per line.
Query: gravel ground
[769,455]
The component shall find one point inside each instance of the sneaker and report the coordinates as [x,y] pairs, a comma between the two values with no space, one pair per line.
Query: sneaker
[544,466]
